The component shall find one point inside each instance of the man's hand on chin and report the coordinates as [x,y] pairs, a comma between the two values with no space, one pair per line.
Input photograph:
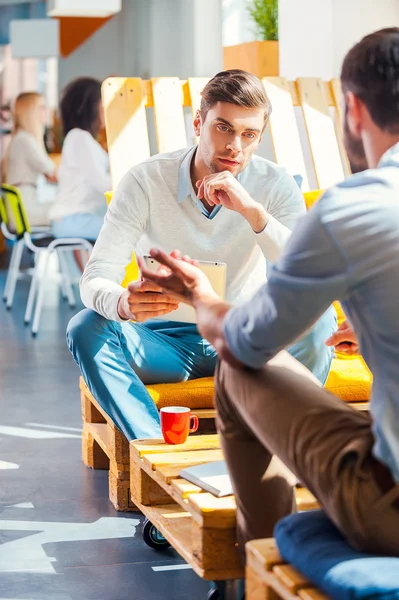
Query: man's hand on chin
[224,189]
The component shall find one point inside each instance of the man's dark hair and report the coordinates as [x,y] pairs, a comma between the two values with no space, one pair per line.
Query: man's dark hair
[80,105]
[371,72]
[236,87]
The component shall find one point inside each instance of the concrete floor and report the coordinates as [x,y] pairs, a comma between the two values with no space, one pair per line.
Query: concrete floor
[60,538]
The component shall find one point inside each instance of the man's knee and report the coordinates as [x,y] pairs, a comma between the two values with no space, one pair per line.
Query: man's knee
[83,328]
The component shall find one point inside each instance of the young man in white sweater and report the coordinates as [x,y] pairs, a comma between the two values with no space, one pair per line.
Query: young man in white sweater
[170,200]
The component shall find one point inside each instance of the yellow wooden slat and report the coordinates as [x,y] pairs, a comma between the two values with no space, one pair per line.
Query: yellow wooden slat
[194,442]
[196,85]
[283,128]
[211,511]
[360,405]
[181,459]
[312,594]
[99,433]
[125,124]
[168,472]
[321,133]
[204,413]
[305,499]
[263,554]
[185,488]
[292,579]
[338,102]
[168,114]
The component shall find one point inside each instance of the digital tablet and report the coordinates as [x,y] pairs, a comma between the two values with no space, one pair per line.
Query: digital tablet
[216,273]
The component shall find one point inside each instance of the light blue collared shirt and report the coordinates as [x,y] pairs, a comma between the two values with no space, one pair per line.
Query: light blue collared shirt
[186,190]
[346,248]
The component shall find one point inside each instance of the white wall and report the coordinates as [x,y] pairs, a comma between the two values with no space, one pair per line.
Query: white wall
[238,26]
[306,38]
[315,35]
[153,38]
[363,17]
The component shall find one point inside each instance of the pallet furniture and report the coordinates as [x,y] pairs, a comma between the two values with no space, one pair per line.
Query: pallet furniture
[268,577]
[199,526]
[130,104]
[105,447]
[133,107]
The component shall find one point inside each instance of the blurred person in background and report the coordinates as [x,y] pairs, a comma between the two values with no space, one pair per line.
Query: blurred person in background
[27,165]
[84,174]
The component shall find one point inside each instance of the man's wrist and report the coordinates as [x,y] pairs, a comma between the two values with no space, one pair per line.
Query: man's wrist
[257,216]
[121,307]
[202,299]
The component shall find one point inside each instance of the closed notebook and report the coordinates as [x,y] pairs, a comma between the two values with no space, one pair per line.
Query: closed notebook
[211,477]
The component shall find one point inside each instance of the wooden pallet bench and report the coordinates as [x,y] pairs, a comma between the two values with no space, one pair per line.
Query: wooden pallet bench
[199,526]
[105,447]
[268,577]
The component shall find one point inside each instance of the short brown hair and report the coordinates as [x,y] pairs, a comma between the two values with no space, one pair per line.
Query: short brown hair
[370,71]
[236,87]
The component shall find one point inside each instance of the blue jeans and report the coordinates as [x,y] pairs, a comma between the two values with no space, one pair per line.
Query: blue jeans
[118,359]
[80,225]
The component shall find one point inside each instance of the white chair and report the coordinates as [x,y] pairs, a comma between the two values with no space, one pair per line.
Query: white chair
[43,245]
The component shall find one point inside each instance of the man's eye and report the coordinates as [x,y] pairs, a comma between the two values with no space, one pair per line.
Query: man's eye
[223,128]
[250,135]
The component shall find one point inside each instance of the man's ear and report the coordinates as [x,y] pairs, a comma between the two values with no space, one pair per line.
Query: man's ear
[197,123]
[353,113]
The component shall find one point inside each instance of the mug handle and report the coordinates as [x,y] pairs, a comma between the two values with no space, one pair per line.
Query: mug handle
[194,422]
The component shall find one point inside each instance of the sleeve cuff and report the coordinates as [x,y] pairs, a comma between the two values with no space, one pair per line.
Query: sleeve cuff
[234,333]
[113,295]
[272,238]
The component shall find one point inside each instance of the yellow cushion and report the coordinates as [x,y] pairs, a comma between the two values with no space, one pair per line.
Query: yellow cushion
[196,393]
[132,270]
[350,379]
[312,197]
[340,313]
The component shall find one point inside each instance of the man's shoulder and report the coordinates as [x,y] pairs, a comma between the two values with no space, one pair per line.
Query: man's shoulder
[362,199]
[161,164]
[268,167]
[265,171]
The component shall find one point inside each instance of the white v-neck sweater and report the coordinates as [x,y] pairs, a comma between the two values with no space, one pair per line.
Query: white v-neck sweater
[145,212]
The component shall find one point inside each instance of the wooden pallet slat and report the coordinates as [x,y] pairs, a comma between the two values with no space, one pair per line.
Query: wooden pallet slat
[181,459]
[283,128]
[208,442]
[105,447]
[321,133]
[210,543]
[312,594]
[195,86]
[305,499]
[268,577]
[213,512]
[185,488]
[125,124]
[292,579]
[168,114]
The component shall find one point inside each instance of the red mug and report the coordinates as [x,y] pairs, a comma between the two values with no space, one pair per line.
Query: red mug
[176,423]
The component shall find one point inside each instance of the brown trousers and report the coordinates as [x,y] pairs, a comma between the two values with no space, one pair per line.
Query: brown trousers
[281,411]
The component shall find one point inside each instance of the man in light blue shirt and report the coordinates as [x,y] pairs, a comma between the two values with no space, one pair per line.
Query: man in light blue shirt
[346,248]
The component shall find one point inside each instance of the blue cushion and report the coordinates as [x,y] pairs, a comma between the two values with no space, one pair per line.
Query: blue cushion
[314,546]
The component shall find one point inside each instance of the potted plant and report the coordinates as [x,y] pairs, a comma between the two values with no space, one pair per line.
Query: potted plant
[261,56]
